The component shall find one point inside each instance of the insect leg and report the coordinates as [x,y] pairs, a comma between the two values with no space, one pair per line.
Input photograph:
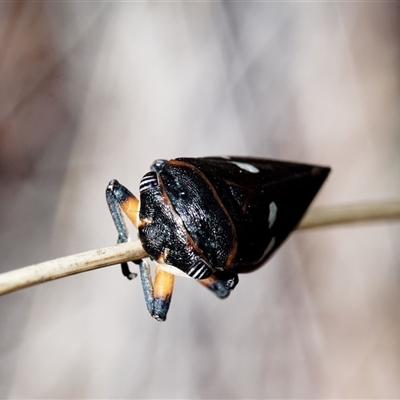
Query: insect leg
[221,283]
[147,284]
[163,287]
[157,297]
[121,199]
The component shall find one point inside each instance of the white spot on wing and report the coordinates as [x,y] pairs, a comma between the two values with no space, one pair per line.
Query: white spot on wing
[247,167]
[273,209]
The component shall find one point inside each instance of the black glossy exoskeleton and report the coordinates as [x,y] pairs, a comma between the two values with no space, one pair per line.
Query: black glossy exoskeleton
[212,218]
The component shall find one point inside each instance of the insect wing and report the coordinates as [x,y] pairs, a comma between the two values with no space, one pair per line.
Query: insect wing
[265,200]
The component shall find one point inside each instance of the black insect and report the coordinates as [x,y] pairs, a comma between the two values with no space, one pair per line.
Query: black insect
[211,218]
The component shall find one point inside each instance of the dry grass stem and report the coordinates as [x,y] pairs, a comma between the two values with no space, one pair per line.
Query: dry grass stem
[70,265]
[104,257]
[348,214]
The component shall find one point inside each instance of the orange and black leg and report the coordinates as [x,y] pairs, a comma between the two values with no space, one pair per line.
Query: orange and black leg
[221,283]
[119,199]
[157,296]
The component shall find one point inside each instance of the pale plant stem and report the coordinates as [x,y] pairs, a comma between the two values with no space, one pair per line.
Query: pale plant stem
[349,214]
[104,257]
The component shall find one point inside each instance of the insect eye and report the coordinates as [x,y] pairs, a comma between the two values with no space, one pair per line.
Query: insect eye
[199,270]
[149,181]
[158,165]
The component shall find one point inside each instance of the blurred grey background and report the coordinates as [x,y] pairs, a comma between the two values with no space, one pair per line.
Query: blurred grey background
[94,91]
